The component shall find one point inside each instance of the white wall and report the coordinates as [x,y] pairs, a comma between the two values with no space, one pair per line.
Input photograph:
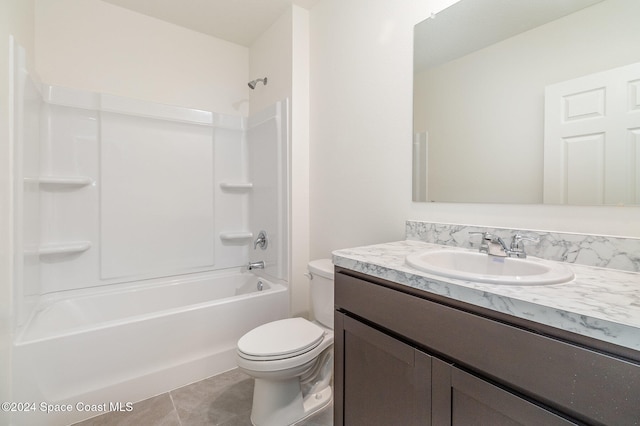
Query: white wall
[282,55]
[300,239]
[96,46]
[270,56]
[16,18]
[361,132]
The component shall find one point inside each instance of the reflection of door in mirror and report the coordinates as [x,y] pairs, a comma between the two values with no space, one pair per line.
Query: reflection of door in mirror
[592,139]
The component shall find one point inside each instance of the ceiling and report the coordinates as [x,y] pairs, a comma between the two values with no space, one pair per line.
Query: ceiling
[471,25]
[237,21]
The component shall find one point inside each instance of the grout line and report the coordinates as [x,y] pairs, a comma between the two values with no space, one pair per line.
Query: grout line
[175,409]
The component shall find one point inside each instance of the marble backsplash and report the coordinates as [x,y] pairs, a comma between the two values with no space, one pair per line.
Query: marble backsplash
[584,249]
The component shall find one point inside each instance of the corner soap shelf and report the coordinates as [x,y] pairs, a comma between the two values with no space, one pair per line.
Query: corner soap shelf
[62,181]
[235,236]
[64,248]
[236,186]
[57,183]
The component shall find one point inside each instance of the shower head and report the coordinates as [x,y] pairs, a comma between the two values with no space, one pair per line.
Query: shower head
[252,83]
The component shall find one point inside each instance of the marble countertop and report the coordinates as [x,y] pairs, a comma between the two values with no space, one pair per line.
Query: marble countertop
[599,303]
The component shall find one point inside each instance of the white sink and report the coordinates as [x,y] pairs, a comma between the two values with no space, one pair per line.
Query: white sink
[480,267]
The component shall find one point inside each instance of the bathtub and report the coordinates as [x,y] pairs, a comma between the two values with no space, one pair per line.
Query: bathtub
[111,348]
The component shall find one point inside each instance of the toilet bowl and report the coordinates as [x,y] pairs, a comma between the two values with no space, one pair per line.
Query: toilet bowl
[291,360]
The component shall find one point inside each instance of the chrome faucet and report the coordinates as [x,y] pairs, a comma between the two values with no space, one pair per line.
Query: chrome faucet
[256,265]
[493,245]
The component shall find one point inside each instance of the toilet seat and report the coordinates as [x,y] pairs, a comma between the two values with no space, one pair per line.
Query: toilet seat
[280,340]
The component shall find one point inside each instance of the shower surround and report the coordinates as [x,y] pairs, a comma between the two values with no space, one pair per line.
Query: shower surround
[133,224]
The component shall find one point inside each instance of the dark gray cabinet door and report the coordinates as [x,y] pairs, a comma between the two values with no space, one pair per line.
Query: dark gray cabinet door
[477,402]
[386,382]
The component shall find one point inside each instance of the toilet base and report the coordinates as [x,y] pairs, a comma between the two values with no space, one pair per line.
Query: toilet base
[317,402]
[278,403]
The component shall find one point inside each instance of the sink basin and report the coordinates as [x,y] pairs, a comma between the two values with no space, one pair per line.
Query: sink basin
[480,267]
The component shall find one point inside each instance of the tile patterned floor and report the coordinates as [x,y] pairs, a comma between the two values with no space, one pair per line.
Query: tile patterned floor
[223,400]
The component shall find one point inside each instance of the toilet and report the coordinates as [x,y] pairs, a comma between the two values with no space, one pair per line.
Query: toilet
[291,360]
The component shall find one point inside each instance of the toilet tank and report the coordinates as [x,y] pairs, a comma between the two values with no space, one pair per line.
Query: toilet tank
[321,272]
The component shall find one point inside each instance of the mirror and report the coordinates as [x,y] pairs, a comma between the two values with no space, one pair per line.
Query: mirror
[481,69]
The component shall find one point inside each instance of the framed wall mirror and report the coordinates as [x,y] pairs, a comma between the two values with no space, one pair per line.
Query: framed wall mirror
[495,81]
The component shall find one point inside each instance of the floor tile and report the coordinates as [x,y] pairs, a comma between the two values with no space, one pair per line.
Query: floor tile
[214,401]
[223,400]
[157,411]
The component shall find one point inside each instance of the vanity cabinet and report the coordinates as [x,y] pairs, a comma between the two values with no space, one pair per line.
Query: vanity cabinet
[406,357]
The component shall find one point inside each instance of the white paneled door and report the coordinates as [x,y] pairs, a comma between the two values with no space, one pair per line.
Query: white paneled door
[592,139]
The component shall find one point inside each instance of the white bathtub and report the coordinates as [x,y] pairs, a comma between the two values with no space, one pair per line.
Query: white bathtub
[127,345]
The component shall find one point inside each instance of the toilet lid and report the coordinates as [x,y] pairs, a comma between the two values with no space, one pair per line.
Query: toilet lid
[281,339]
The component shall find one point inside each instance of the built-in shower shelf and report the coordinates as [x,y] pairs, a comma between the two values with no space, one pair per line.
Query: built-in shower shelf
[235,236]
[64,248]
[236,186]
[67,181]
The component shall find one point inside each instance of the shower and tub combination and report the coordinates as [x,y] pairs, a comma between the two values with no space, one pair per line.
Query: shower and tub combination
[134,226]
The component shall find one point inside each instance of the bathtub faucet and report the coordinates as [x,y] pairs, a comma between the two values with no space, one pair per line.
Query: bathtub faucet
[256,265]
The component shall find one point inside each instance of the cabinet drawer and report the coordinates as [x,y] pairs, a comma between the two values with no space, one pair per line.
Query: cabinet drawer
[585,384]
